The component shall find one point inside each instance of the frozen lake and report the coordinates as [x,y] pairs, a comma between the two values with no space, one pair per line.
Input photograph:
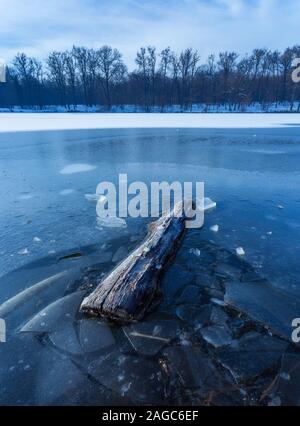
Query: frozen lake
[48,226]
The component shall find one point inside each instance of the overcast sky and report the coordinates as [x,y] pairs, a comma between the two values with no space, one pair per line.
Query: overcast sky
[37,27]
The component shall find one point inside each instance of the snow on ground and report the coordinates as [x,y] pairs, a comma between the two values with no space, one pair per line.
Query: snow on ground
[17,122]
[196,108]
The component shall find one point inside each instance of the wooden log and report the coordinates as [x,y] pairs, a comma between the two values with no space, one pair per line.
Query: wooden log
[127,293]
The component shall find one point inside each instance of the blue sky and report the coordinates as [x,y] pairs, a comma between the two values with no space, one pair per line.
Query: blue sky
[37,27]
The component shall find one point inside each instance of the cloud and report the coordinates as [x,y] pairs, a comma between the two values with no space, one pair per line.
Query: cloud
[37,27]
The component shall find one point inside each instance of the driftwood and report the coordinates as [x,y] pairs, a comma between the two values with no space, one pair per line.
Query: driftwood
[127,293]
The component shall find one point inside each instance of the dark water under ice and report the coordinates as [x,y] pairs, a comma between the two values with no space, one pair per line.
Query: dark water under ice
[49,232]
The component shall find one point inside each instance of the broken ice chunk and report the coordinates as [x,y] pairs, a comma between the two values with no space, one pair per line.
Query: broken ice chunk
[65,338]
[240,251]
[50,318]
[214,228]
[149,337]
[216,335]
[251,355]
[37,240]
[111,222]
[95,335]
[218,316]
[193,369]
[135,378]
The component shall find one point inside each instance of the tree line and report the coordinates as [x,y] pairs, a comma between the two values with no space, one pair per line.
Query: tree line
[83,76]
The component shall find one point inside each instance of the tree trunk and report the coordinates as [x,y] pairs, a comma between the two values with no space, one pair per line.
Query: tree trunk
[127,293]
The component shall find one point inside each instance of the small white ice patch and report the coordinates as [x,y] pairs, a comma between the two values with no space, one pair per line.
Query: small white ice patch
[214,228]
[23,252]
[195,252]
[240,251]
[77,168]
[94,198]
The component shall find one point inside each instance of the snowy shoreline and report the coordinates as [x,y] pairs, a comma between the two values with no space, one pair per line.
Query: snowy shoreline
[19,122]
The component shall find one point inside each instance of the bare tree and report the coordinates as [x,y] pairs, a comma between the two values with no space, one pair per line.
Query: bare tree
[56,63]
[187,66]
[111,70]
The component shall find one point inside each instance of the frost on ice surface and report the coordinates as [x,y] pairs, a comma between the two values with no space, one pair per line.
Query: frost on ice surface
[111,222]
[214,228]
[240,251]
[77,168]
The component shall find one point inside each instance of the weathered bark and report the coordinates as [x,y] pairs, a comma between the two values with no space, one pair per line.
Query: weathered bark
[126,294]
